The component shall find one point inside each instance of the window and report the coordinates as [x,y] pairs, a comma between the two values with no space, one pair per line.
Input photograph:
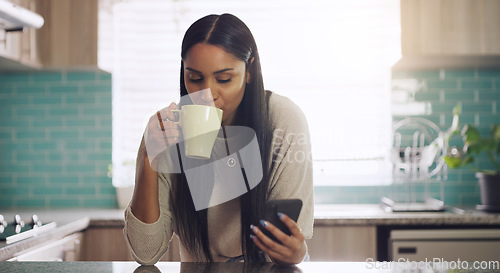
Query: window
[332,58]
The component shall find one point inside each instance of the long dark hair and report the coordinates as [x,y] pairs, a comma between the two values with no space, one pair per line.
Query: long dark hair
[230,33]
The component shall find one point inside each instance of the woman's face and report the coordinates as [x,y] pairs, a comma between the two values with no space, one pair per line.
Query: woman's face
[209,66]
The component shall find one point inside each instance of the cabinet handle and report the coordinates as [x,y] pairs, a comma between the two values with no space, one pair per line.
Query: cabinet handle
[407,250]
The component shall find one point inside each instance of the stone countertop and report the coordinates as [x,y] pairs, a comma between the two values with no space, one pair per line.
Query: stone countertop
[306,267]
[372,214]
[68,221]
[74,220]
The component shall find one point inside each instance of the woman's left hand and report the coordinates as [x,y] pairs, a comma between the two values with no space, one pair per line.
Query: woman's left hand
[292,249]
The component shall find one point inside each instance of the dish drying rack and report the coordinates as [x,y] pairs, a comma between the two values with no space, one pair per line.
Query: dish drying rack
[417,160]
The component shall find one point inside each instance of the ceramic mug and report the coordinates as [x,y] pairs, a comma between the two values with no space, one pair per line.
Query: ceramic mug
[200,125]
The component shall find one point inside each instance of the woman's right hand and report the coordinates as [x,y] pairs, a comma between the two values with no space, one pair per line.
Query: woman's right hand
[162,132]
[145,204]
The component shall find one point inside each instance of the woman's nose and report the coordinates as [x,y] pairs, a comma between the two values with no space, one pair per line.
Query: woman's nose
[214,93]
[206,96]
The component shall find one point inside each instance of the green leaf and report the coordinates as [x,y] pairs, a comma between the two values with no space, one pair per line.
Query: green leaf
[470,133]
[453,162]
[495,130]
[474,147]
[467,160]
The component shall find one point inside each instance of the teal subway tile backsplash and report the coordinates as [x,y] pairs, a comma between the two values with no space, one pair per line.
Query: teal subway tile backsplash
[81,77]
[488,95]
[27,89]
[31,202]
[461,95]
[478,93]
[98,202]
[456,74]
[64,202]
[476,83]
[442,84]
[7,79]
[55,139]
[67,89]
[47,77]
[421,74]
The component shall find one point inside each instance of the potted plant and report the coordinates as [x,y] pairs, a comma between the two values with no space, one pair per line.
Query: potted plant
[475,146]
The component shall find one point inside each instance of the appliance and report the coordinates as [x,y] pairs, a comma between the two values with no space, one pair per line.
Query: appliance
[13,18]
[444,245]
[19,230]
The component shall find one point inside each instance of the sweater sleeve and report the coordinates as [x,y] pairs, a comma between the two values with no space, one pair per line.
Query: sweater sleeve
[291,161]
[149,242]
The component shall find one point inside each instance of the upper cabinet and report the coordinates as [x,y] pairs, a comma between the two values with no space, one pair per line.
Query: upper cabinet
[68,37]
[450,27]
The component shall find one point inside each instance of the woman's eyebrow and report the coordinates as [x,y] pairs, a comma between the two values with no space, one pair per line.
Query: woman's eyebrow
[223,70]
[216,72]
[193,70]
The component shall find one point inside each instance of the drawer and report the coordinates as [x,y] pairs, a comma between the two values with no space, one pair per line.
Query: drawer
[447,245]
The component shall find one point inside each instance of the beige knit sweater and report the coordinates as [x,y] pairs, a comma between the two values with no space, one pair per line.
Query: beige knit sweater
[291,177]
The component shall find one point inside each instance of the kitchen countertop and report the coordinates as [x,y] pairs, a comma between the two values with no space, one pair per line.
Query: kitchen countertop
[316,267]
[75,220]
[372,214]
[68,221]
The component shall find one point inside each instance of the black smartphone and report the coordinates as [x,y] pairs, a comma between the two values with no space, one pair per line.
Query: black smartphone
[290,207]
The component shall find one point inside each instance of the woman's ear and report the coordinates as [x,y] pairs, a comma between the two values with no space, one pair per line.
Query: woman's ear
[249,75]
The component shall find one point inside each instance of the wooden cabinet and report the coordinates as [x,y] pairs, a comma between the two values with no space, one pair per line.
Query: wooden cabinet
[69,35]
[450,27]
[105,244]
[67,38]
[329,243]
[108,244]
[343,243]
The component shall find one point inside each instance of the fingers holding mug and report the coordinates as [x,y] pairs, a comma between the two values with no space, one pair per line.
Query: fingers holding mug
[167,124]
[166,114]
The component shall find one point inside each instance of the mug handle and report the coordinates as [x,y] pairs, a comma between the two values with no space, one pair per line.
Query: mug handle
[177,122]
[160,122]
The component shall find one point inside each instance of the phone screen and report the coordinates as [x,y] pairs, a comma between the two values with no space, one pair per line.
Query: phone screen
[290,207]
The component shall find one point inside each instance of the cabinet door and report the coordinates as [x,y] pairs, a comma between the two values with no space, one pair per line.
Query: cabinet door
[69,35]
[444,27]
[343,243]
[108,244]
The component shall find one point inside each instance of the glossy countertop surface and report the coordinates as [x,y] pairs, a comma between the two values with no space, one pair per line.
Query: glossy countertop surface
[162,267]
[372,214]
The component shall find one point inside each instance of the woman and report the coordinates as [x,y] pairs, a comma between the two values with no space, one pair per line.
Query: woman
[219,52]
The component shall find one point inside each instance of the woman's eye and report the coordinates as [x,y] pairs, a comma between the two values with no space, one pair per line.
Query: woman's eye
[194,77]
[224,81]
